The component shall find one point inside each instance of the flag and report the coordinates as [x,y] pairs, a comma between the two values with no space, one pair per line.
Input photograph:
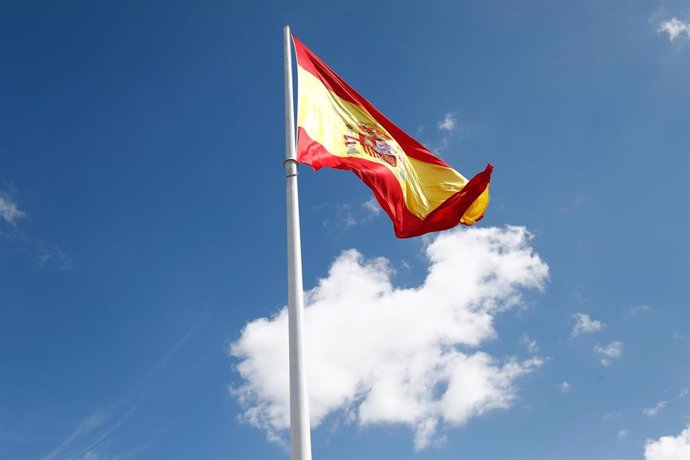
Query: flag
[338,128]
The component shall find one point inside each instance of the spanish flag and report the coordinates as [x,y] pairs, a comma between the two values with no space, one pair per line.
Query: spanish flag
[338,128]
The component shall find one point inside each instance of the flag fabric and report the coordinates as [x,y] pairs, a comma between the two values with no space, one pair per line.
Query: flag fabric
[338,128]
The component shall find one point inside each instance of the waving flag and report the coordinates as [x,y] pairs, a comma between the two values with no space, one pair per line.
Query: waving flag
[338,128]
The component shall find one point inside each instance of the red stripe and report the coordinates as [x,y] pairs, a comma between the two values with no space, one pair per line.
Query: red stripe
[312,64]
[387,190]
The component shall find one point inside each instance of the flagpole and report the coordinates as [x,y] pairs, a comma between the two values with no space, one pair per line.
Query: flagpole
[300,436]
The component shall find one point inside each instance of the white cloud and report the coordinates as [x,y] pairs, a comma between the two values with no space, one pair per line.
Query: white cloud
[574,204]
[584,324]
[345,216]
[449,123]
[637,309]
[652,411]
[669,447]
[53,255]
[675,28]
[48,254]
[380,354]
[372,207]
[340,216]
[92,438]
[610,352]
[565,387]
[622,434]
[683,392]
[678,336]
[448,126]
[9,210]
[529,343]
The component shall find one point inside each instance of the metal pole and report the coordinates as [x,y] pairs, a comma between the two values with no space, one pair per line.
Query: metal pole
[300,436]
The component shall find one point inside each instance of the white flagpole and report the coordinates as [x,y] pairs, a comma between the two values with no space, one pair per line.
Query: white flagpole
[300,436]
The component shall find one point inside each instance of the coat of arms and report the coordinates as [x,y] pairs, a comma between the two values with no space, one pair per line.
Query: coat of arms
[374,143]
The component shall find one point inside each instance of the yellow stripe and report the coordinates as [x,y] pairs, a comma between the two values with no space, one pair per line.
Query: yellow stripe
[477,209]
[325,116]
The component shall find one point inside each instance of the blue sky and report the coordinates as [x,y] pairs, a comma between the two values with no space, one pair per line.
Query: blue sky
[142,227]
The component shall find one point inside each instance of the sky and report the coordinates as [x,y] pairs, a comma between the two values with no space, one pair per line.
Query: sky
[142,233]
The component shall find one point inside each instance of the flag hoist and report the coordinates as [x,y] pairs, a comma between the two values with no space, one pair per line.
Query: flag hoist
[338,128]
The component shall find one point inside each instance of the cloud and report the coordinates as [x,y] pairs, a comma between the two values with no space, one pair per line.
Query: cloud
[609,353]
[669,447]
[9,210]
[638,309]
[573,204]
[529,343]
[675,28]
[449,123]
[48,254]
[579,200]
[53,255]
[584,324]
[565,387]
[448,126]
[372,207]
[652,411]
[93,431]
[345,216]
[94,434]
[340,216]
[380,354]
[622,434]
